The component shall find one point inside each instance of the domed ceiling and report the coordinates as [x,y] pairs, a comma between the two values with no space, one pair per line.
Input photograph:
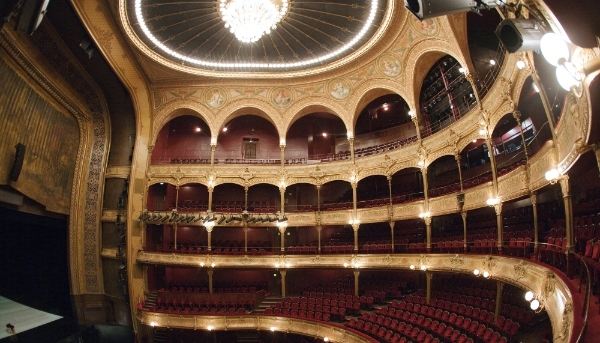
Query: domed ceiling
[312,36]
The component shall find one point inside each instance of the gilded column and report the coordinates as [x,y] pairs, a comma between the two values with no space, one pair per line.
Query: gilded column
[415,119]
[209,227]
[176,197]
[536,238]
[499,290]
[498,209]
[356,284]
[392,223]
[351,141]
[457,158]
[213,147]
[210,195]
[319,228]
[429,276]
[210,280]
[282,197]
[282,155]
[427,220]
[175,236]
[282,272]
[566,192]
[355,227]
[463,214]
[517,116]
[282,229]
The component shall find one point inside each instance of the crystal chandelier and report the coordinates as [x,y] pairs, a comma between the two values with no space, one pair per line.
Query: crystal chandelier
[249,20]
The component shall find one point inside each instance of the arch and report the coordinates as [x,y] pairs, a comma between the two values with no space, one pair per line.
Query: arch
[313,104]
[246,106]
[178,109]
[421,57]
[371,90]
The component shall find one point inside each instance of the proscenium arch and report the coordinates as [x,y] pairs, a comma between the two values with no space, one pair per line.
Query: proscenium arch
[179,109]
[372,90]
[313,104]
[245,106]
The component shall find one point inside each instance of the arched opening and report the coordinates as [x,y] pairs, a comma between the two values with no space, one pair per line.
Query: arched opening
[382,125]
[445,95]
[475,164]
[229,198]
[193,197]
[536,128]
[317,137]
[443,176]
[372,191]
[161,197]
[508,141]
[407,185]
[248,139]
[185,139]
[486,50]
[301,197]
[336,195]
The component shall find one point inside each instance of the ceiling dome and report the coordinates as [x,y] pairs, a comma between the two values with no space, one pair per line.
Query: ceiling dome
[312,36]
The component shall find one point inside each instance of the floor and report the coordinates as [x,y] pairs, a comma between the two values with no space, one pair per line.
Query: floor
[23,318]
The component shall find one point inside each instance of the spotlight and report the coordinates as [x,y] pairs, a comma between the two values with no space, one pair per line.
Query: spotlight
[221,220]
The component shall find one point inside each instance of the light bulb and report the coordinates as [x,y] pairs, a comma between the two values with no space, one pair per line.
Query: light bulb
[423,267]
[486,274]
[535,304]
[476,272]
[520,64]
[554,48]
[412,266]
[529,295]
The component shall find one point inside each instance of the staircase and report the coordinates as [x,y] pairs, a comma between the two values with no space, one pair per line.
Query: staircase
[151,301]
[268,302]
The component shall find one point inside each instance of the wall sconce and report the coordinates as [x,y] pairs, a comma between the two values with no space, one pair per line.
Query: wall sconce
[213,141]
[281,141]
[424,215]
[282,224]
[423,267]
[493,201]
[521,64]
[482,132]
[209,328]
[478,273]
[350,134]
[209,224]
[552,175]
[153,324]
[325,339]
[201,264]
[536,303]
[412,114]
[212,265]
[354,221]
[273,329]
[412,267]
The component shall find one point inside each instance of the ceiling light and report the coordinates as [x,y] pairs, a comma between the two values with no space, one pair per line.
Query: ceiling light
[554,48]
[535,304]
[324,134]
[210,64]
[520,64]
[535,88]
[493,201]
[412,267]
[272,329]
[225,129]
[326,339]
[209,328]
[462,70]
[423,267]
[476,272]
[249,20]
[486,274]
[198,129]
[493,62]
[529,296]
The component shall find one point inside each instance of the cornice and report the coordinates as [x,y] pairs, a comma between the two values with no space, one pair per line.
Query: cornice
[117,172]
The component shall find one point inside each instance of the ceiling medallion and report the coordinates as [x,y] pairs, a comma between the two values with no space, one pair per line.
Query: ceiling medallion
[308,33]
[249,20]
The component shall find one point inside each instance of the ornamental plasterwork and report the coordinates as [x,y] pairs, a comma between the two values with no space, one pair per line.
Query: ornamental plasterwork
[117,172]
[456,261]
[520,270]
[444,204]
[514,183]
[573,126]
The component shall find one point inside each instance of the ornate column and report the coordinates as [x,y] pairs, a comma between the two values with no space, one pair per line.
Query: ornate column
[282,227]
[428,276]
[245,198]
[319,198]
[175,236]
[282,196]
[245,237]
[210,272]
[355,227]
[463,214]
[427,220]
[282,149]
[517,116]
[566,193]
[176,197]
[498,209]
[392,224]
[488,142]
[499,290]
[415,119]
[356,275]
[213,147]
[351,141]
[425,188]
[209,227]
[282,272]
[319,228]
[210,194]
[457,158]
[536,238]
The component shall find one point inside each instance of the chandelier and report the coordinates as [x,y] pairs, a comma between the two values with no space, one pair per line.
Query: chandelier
[249,20]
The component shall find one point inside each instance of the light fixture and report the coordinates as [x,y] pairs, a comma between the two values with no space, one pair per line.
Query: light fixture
[423,267]
[354,221]
[476,272]
[554,48]
[345,265]
[552,175]
[212,265]
[493,201]
[521,64]
[209,328]
[486,274]
[201,264]
[198,129]
[153,324]
[462,70]
[249,20]
[326,339]
[421,163]
[412,267]
[412,114]
[482,132]
[424,215]
[493,62]
[350,134]
[536,303]
[225,129]
[272,329]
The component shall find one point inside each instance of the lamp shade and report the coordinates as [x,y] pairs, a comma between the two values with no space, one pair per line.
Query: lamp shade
[554,48]
[567,76]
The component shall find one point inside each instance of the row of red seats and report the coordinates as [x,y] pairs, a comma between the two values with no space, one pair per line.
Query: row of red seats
[196,309]
[321,316]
